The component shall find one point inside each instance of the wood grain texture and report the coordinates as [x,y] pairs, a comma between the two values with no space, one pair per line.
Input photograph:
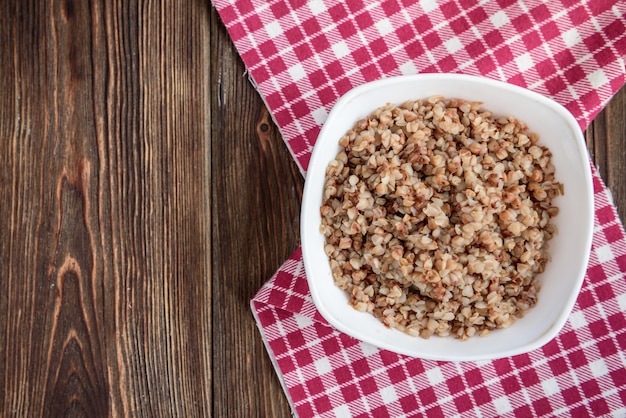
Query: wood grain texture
[145,196]
[105,284]
[606,141]
[255,209]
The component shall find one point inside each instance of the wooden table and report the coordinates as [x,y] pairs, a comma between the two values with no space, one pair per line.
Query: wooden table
[145,196]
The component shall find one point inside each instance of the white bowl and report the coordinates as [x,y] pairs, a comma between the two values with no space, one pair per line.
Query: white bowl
[569,249]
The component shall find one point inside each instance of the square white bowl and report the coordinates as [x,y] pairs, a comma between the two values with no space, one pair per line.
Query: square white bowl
[569,248]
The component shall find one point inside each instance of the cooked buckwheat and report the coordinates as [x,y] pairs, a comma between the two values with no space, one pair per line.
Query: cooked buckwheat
[437,215]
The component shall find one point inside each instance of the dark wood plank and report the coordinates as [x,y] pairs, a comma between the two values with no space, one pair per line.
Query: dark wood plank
[606,141]
[255,210]
[105,290]
[52,277]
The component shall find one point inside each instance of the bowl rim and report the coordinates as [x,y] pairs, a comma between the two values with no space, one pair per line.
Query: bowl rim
[306,214]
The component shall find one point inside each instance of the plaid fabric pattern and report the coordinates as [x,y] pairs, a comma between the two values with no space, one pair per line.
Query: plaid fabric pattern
[580,373]
[303,55]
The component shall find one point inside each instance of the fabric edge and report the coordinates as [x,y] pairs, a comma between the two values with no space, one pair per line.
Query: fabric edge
[272,358]
[595,174]
[269,111]
[251,80]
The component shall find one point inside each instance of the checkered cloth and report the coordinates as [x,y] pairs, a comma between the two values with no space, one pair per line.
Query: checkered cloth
[303,55]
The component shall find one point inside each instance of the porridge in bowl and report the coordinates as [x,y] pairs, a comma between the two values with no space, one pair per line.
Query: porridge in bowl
[437,215]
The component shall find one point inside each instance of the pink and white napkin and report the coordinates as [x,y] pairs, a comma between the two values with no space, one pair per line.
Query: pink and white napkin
[303,55]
